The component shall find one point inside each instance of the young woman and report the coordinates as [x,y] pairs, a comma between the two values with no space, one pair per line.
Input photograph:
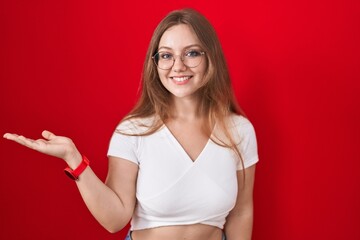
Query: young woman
[182,162]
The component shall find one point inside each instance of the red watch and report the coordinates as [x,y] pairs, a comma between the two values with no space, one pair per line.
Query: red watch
[74,174]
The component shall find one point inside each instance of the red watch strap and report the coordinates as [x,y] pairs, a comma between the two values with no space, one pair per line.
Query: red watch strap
[74,174]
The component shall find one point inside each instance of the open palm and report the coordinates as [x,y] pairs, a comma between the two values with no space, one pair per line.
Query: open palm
[57,146]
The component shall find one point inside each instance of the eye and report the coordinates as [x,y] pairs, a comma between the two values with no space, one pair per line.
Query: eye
[192,53]
[165,56]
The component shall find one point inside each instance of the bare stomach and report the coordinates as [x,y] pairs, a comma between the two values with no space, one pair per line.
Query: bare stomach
[183,232]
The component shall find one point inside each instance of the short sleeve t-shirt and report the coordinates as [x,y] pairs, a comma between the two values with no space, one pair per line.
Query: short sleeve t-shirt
[172,189]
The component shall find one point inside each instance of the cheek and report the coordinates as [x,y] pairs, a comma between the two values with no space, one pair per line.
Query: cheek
[206,68]
[162,76]
[161,73]
[201,70]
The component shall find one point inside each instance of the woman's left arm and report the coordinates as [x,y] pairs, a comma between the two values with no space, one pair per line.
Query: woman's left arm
[239,222]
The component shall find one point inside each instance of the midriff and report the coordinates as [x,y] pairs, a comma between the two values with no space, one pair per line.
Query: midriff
[188,232]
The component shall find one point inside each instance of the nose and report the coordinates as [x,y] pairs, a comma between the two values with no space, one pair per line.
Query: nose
[178,64]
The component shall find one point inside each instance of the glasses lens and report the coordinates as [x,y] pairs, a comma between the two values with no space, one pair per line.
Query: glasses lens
[192,58]
[164,60]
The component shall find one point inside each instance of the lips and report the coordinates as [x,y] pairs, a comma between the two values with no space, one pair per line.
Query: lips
[181,79]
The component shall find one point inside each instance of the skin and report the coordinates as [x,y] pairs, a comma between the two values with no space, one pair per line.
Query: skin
[112,203]
[176,40]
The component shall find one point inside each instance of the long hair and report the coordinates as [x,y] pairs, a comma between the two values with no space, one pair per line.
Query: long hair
[217,100]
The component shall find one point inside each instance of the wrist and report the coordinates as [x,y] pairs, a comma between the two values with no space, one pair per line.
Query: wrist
[74,173]
[73,160]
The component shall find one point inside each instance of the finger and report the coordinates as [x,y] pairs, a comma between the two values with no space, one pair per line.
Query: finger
[25,141]
[10,136]
[21,140]
[16,138]
[48,135]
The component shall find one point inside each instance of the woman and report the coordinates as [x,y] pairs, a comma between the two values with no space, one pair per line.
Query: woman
[182,162]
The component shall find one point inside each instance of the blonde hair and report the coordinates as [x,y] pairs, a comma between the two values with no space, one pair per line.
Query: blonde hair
[217,100]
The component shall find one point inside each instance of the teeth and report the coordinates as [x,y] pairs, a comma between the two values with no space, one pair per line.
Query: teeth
[181,79]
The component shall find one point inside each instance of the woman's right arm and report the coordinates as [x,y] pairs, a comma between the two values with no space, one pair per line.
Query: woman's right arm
[113,203]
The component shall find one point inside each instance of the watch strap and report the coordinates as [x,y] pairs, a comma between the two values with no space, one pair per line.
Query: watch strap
[75,173]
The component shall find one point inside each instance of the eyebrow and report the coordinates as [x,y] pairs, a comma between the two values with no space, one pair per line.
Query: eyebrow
[189,46]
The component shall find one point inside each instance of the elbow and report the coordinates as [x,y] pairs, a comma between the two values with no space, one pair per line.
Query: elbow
[115,223]
[115,227]
[113,230]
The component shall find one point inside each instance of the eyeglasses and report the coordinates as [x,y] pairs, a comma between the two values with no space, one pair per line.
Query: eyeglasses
[165,60]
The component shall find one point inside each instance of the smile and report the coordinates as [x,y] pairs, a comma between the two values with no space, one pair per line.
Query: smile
[181,79]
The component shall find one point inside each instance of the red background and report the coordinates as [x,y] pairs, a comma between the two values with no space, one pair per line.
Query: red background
[73,67]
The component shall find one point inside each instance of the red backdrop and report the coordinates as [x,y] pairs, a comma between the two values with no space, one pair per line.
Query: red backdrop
[73,67]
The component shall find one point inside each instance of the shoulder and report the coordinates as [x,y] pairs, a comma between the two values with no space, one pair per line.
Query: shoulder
[239,122]
[135,126]
[241,128]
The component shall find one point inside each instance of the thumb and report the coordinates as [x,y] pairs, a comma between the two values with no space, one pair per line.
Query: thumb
[48,135]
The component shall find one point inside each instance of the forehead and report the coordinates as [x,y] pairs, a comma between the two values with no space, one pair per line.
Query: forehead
[178,37]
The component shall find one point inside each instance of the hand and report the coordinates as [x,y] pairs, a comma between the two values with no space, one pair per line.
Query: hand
[57,146]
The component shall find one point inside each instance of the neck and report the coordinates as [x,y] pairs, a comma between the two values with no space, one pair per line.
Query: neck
[186,109]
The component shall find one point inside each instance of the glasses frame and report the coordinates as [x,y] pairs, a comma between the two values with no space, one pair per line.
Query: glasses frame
[181,58]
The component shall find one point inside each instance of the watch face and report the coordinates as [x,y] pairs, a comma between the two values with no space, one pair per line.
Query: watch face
[69,174]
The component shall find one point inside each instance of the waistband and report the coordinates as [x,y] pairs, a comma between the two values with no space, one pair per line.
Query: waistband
[128,236]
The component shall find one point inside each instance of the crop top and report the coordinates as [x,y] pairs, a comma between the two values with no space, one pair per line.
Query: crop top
[172,189]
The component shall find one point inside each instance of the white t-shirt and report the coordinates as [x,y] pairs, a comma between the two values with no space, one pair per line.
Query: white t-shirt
[174,190]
